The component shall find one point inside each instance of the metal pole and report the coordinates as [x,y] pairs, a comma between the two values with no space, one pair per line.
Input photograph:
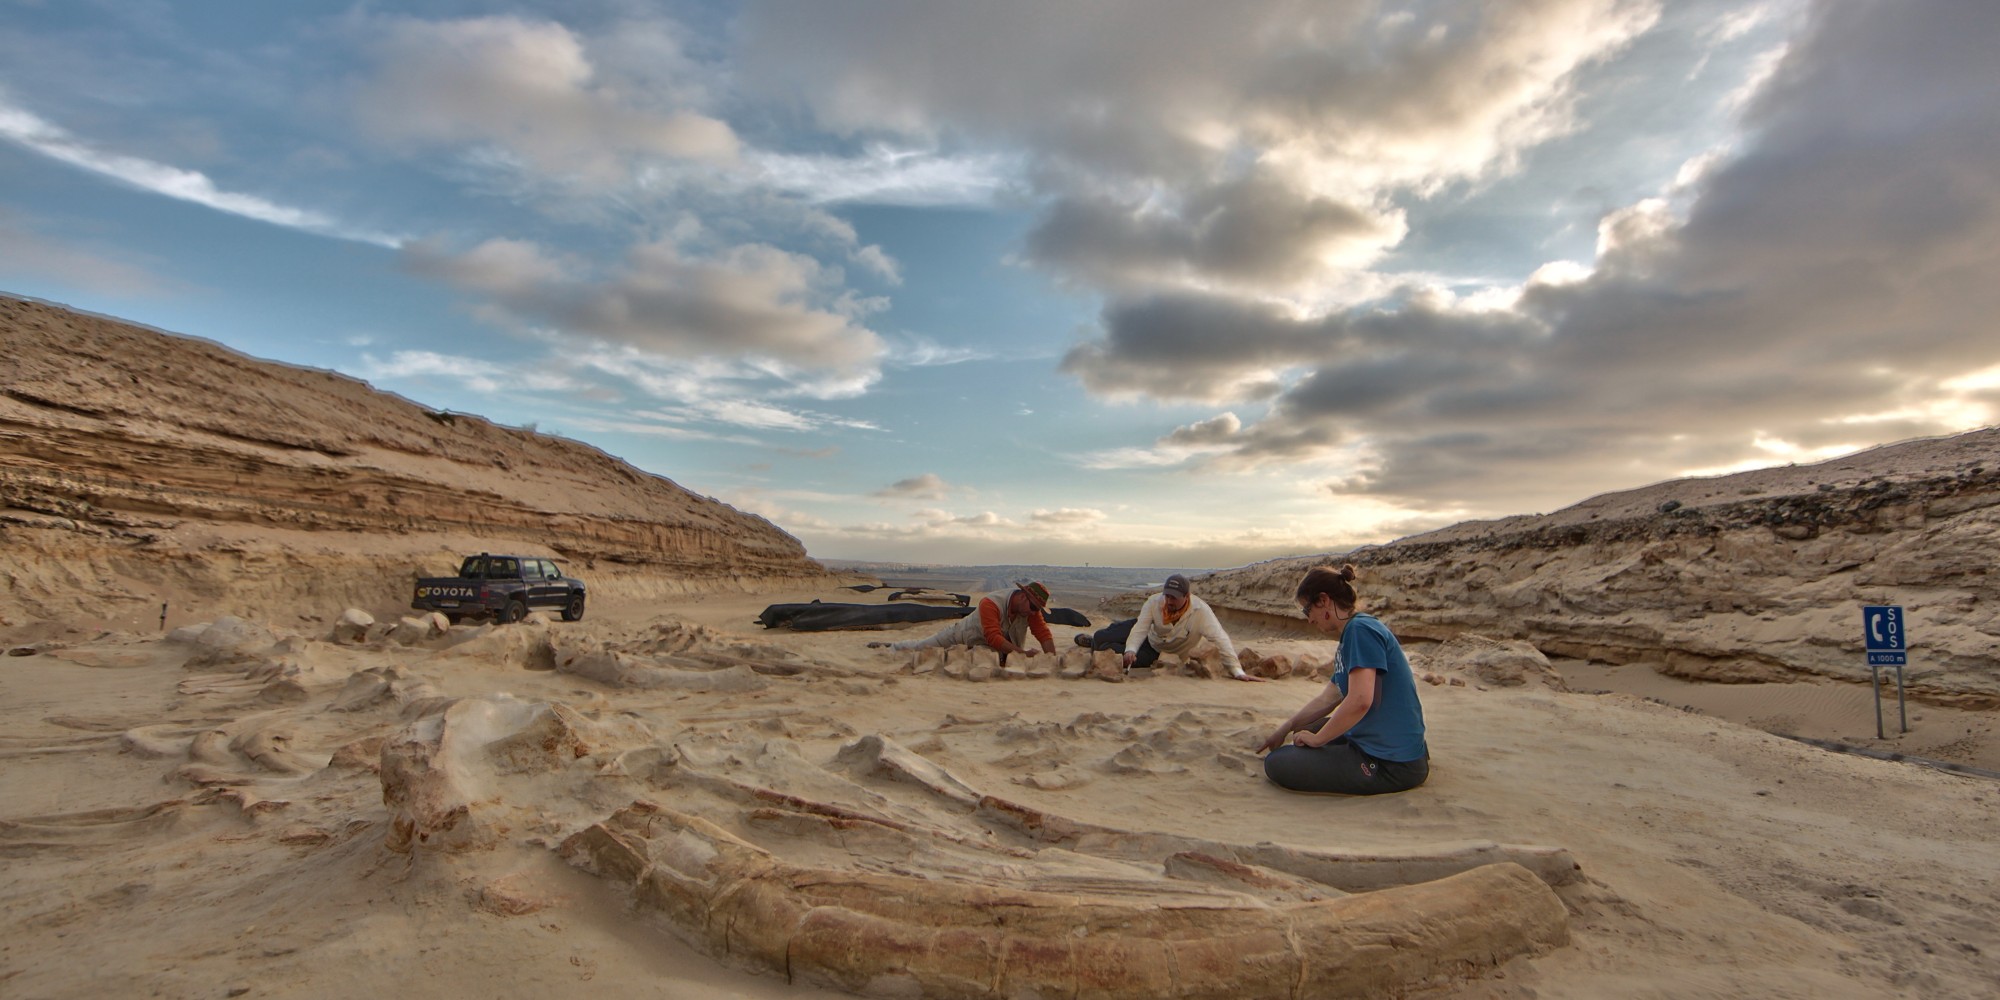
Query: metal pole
[1875,674]
[163,616]
[1900,710]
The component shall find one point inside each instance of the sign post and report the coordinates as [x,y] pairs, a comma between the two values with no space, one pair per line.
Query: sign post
[1887,642]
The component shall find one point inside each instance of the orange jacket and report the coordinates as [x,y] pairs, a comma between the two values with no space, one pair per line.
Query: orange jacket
[993,622]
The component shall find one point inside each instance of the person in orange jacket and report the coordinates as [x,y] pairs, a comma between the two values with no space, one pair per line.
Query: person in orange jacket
[1001,622]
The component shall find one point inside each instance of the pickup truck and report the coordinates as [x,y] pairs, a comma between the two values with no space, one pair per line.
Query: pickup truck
[504,588]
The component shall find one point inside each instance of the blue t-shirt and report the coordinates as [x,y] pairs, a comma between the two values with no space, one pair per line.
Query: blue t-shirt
[1393,729]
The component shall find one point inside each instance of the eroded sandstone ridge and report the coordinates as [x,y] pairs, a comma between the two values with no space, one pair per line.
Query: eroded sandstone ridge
[1750,577]
[139,468]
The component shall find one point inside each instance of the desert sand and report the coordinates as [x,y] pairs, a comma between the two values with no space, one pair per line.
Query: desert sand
[205,816]
[220,783]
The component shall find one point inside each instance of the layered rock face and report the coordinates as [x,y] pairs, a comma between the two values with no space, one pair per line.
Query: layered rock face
[139,468]
[1752,577]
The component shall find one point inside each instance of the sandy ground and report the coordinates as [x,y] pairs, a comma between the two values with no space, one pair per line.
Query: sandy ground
[1718,860]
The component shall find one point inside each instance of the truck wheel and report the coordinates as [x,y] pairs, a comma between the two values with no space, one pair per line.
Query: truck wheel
[515,610]
[573,611]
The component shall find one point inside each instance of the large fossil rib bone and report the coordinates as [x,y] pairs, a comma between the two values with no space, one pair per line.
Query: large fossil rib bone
[896,935]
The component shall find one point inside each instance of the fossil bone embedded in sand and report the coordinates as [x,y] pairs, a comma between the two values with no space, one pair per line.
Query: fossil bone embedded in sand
[894,935]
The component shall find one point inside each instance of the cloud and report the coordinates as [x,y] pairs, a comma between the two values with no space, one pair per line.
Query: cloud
[1824,286]
[928,486]
[25,129]
[1067,516]
[1257,146]
[912,350]
[1216,431]
[530,88]
[591,390]
[774,310]
[884,175]
[1199,347]
[1252,233]
[473,373]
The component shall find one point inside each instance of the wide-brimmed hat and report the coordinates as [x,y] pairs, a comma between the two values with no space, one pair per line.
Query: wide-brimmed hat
[1037,593]
[1177,585]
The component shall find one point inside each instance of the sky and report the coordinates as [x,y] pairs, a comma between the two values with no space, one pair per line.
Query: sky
[1129,283]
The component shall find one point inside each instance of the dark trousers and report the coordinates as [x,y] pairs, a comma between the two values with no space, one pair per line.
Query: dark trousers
[1341,768]
[1114,636]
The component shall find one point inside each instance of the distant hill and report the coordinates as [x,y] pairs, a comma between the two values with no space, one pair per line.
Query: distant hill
[1755,576]
[138,467]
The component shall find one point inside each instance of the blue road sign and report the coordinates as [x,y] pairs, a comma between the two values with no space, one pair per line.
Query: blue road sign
[1882,629]
[1883,634]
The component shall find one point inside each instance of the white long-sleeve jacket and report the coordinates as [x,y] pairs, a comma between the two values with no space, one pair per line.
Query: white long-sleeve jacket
[1197,623]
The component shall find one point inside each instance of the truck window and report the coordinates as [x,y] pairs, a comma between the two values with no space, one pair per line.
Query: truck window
[503,569]
[473,568]
[547,570]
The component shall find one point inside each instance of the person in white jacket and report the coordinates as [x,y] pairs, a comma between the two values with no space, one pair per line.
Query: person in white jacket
[1171,621]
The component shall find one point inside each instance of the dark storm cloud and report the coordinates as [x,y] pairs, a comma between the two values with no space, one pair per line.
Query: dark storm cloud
[1823,288]
[1193,346]
[1254,232]
[1219,430]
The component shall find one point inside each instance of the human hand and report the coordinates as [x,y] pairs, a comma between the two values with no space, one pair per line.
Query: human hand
[1131,658]
[1252,677]
[1273,741]
[1030,651]
[1306,738]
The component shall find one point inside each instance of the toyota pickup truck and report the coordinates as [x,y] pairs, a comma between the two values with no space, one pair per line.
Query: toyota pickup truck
[503,588]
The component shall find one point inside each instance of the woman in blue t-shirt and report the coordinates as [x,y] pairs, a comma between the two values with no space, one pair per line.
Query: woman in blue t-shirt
[1363,734]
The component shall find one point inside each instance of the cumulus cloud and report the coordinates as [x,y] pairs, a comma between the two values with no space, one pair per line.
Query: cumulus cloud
[775,309]
[529,88]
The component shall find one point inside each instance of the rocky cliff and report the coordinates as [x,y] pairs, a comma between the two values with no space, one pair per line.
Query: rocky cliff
[1749,577]
[139,468]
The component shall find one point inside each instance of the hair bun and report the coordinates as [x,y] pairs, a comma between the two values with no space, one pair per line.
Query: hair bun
[1347,572]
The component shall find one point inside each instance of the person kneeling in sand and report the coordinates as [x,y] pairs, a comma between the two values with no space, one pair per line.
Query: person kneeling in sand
[1363,734]
[1171,621]
[1001,621]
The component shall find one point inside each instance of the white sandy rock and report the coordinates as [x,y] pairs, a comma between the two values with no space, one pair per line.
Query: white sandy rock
[424,628]
[230,640]
[353,626]
[1496,662]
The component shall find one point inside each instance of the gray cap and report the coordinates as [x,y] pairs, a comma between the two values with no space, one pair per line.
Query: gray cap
[1177,585]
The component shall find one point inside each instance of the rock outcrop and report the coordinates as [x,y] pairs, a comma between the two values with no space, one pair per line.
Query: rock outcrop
[1756,576]
[139,468]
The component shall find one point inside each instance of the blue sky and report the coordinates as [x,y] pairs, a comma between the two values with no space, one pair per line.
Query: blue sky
[1135,282]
